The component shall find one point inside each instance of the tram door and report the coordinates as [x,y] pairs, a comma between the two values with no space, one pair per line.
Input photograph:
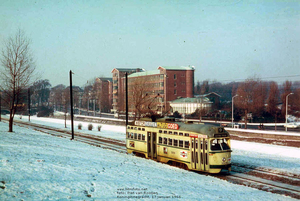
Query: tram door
[204,154]
[152,149]
[195,153]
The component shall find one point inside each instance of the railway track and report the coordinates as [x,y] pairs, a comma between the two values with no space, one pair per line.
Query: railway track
[264,179]
[260,178]
[98,141]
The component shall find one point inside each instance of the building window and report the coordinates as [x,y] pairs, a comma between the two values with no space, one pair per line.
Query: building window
[175,85]
[175,92]
[175,76]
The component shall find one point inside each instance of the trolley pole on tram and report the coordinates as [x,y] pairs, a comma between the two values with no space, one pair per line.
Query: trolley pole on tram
[71,102]
[126,83]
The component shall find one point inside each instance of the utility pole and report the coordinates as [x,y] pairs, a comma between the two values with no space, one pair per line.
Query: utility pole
[71,99]
[232,115]
[28,104]
[126,83]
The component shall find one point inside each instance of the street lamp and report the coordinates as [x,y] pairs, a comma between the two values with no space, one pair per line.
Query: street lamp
[286,110]
[232,110]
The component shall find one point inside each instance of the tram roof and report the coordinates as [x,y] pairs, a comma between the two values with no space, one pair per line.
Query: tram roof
[204,129]
[201,128]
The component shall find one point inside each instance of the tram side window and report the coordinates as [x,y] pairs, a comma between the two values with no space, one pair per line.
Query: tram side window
[180,143]
[165,132]
[160,140]
[143,137]
[165,140]
[160,131]
[135,128]
[135,136]
[187,134]
[128,135]
[175,133]
[131,135]
[186,144]
[131,128]
[143,129]
[170,141]
[201,145]
[139,129]
[170,132]
[139,137]
[181,134]
[128,127]
[175,142]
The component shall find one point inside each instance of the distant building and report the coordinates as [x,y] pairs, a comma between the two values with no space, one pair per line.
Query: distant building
[119,87]
[190,105]
[163,85]
[104,93]
[214,98]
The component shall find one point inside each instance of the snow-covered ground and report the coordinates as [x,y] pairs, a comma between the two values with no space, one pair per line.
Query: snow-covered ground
[36,166]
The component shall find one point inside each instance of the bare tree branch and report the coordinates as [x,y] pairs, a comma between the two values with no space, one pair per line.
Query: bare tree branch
[16,72]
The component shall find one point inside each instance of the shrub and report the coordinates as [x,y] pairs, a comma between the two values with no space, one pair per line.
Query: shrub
[79,126]
[44,112]
[99,128]
[90,127]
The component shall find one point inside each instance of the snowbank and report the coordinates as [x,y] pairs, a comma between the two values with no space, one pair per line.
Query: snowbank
[36,166]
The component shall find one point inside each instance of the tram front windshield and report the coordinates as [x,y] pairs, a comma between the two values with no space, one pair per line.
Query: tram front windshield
[219,144]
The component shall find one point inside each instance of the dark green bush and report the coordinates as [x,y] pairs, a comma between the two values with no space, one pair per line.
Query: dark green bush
[44,112]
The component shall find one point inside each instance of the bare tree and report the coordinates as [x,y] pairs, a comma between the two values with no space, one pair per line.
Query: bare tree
[16,74]
[142,98]
[56,97]
[273,99]
[41,92]
[251,97]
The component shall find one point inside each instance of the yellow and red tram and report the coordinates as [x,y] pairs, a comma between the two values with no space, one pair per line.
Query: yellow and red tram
[197,147]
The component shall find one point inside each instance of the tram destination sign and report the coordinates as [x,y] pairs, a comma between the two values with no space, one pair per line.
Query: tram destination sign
[164,125]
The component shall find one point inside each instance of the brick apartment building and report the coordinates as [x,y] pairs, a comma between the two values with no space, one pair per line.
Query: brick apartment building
[160,86]
[118,75]
[104,92]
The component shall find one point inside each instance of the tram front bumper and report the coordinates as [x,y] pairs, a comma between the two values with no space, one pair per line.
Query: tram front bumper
[224,167]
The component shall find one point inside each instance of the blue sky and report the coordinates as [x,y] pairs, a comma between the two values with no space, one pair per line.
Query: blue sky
[226,40]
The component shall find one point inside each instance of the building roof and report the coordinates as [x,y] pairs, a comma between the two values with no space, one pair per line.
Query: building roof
[204,95]
[191,100]
[128,69]
[105,79]
[177,67]
[145,73]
